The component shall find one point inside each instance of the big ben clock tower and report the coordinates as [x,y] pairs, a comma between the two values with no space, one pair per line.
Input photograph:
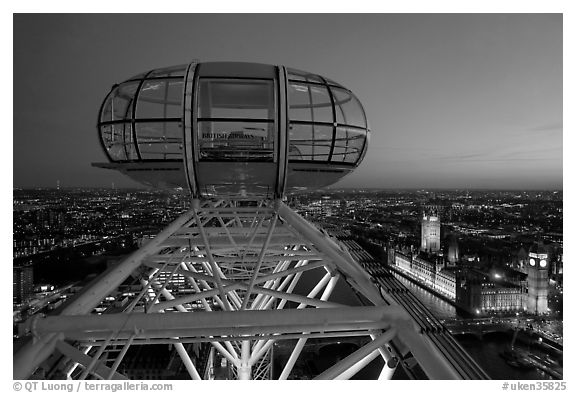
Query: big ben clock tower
[537,299]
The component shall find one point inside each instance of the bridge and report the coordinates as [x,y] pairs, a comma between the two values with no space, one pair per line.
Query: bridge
[428,324]
[479,327]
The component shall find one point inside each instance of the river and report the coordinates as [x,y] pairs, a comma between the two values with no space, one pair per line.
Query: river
[485,351]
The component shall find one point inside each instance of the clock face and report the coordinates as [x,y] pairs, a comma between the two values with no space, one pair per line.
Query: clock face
[543,263]
[532,262]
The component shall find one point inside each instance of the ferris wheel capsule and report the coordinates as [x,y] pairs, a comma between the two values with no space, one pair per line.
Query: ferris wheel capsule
[230,129]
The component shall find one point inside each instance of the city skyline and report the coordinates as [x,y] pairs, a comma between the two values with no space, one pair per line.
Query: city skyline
[454,101]
[478,242]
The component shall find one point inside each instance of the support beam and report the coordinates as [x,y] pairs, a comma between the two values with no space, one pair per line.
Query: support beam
[70,369]
[185,324]
[34,353]
[215,268]
[434,364]
[192,298]
[236,258]
[259,263]
[331,284]
[358,366]
[292,359]
[388,369]
[120,357]
[351,360]
[245,369]
[257,353]
[93,294]
[79,357]
[228,339]
[390,361]
[187,361]
[94,360]
[297,298]
[341,258]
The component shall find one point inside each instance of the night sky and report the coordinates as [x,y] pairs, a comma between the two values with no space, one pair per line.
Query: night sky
[453,100]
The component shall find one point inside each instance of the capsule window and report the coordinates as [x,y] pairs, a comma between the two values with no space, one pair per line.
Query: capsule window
[159,140]
[119,104]
[117,139]
[160,98]
[310,102]
[236,120]
[177,70]
[309,142]
[235,141]
[299,75]
[348,144]
[348,108]
[236,99]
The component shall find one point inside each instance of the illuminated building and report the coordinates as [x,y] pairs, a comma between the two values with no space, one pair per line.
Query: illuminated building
[446,283]
[477,294]
[22,283]
[469,289]
[428,272]
[429,267]
[501,298]
[329,206]
[537,298]
[430,233]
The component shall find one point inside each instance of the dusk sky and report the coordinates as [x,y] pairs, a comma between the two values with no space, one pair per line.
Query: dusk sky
[453,100]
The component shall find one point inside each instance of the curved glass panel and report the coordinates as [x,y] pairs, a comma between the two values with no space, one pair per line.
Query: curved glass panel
[106,114]
[236,141]
[160,98]
[294,74]
[236,117]
[237,99]
[332,83]
[177,70]
[310,142]
[138,76]
[159,140]
[348,144]
[118,106]
[348,108]
[117,139]
[309,103]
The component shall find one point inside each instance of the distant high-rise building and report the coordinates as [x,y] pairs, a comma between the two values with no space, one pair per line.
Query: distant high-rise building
[537,298]
[329,206]
[22,284]
[430,233]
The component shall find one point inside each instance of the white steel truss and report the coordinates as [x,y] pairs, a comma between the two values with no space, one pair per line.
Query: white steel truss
[239,276]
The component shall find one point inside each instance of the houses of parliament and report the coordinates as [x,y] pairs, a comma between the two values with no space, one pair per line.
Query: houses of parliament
[459,281]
